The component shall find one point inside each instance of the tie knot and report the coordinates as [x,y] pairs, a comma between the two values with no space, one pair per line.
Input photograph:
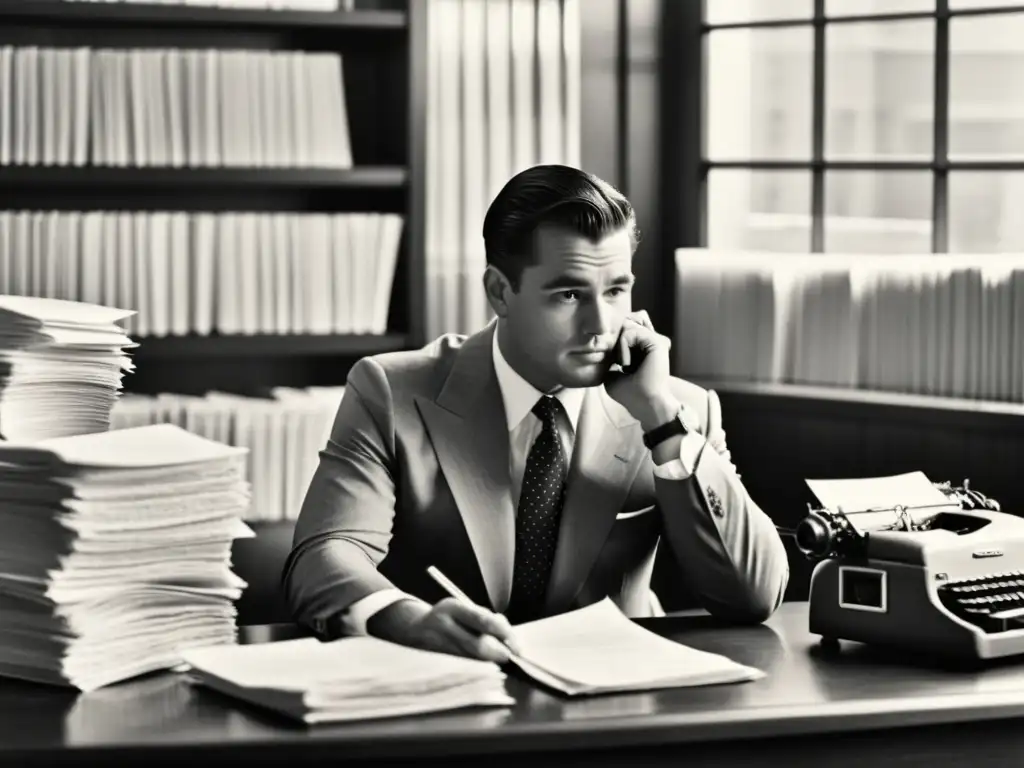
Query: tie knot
[547,408]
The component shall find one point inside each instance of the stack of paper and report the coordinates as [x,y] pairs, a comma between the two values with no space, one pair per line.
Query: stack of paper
[61,366]
[115,554]
[598,649]
[356,678]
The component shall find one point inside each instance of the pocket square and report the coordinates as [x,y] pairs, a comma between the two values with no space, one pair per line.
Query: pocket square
[634,513]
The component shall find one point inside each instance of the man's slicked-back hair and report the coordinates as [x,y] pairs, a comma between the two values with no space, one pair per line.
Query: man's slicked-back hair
[554,195]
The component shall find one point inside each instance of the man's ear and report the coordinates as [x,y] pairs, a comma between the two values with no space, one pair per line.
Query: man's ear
[498,289]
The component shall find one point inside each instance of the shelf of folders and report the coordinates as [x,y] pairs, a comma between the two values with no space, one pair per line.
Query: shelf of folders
[284,433]
[172,107]
[210,272]
[947,325]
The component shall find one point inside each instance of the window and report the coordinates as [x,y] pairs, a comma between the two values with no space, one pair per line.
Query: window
[863,125]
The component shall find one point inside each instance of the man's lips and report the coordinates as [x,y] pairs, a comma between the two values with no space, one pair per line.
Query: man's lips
[591,354]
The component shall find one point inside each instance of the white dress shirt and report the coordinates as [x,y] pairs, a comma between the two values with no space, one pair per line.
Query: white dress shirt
[519,397]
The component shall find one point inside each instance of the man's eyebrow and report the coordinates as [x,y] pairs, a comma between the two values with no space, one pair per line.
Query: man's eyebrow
[567,282]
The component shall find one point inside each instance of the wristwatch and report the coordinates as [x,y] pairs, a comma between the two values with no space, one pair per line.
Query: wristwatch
[664,431]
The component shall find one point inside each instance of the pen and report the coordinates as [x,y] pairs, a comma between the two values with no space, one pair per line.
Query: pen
[449,586]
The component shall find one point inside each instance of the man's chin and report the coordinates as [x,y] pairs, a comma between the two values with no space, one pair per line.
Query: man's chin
[585,375]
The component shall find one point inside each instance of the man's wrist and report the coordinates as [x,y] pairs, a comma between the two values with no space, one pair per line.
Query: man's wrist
[658,410]
[393,622]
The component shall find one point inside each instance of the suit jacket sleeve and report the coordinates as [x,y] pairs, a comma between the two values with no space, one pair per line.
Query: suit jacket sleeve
[344,526]
[728,549]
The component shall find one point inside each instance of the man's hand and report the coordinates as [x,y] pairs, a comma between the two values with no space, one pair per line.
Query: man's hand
[448,627]
[643,387]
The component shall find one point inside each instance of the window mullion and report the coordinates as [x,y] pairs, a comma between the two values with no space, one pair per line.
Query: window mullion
[940,140]
[818,132]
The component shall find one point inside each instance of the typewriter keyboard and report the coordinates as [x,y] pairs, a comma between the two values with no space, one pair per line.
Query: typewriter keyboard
[995,603]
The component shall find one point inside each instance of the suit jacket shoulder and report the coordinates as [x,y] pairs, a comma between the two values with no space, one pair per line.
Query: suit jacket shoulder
[407,373]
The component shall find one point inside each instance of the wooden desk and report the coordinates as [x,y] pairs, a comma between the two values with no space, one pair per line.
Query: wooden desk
[860,708]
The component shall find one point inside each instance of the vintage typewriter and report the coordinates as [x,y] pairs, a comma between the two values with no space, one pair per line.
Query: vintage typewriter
[946,583]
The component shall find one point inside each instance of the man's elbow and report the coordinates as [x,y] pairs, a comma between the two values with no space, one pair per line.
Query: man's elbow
[766,601]
[294,590]
[755,604]
[763,605]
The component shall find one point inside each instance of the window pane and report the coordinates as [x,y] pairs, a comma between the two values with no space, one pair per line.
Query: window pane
[759,210]
[984,212]
[759,93]
[730,11]
[879,89]
[986,106]
[878,211]
[871,7]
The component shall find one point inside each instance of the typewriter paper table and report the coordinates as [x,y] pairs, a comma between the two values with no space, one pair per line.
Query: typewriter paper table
[862,707]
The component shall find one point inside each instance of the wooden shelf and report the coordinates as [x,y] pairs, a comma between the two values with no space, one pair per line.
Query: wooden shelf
[876,404]
[239,346]
[128,15]
[366,177]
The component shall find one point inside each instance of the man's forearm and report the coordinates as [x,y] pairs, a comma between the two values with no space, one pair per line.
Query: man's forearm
[325,575]
[726,545]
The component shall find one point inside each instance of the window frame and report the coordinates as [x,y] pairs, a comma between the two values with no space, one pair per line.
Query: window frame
[687,167]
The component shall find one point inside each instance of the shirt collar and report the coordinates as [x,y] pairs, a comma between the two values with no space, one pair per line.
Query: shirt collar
[520,396]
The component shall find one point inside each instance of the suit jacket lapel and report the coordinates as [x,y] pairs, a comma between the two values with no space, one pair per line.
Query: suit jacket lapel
[606,458]
[469,433]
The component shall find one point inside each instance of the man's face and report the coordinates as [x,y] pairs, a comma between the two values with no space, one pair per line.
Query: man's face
[563,322]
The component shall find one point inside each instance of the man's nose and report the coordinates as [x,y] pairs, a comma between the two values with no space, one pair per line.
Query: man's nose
[598,319]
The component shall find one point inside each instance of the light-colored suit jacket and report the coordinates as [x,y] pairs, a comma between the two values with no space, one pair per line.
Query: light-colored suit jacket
[416,473]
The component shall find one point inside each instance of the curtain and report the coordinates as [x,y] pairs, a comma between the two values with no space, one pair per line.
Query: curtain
[503,94]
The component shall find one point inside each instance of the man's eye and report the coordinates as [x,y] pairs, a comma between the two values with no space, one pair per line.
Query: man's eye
[569,295]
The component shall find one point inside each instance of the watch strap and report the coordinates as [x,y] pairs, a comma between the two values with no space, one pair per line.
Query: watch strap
[675,426]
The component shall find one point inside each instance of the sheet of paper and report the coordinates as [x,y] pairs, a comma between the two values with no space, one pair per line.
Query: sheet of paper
[598,649]
[860,495]
[63,311]
[159,445]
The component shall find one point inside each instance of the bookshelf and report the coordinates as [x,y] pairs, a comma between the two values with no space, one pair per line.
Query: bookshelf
[382,47]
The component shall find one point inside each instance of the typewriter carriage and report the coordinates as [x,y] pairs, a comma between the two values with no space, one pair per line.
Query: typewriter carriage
[827,533]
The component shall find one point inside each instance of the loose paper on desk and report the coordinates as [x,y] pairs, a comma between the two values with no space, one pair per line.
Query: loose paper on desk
[598,649]
[856,495]
[354,678]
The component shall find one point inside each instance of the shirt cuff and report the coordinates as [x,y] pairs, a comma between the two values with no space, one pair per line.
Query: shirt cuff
[691,447]
[357,615]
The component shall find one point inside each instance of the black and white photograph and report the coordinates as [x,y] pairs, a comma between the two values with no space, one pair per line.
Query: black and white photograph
[546,382]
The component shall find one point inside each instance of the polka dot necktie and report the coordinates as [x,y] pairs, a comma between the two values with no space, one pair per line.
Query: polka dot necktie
[537,519]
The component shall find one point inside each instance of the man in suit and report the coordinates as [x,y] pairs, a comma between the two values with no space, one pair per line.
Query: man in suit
[538,463]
